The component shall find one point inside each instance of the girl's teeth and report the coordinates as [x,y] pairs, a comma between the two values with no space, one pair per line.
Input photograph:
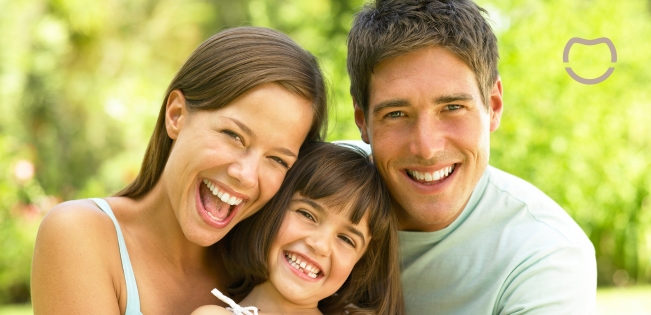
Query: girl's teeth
[309,270]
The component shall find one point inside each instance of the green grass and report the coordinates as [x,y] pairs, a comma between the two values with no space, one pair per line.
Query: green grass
[629,300]
[16,309]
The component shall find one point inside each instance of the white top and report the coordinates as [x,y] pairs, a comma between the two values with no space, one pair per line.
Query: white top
[234,307]
[512,250]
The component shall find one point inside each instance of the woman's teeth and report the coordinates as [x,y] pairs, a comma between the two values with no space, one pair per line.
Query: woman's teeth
[430,177]
[304,267]
[225,197]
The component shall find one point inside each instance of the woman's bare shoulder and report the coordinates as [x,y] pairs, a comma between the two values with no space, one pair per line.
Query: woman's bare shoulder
[76,220]
[211,310]
[76,260]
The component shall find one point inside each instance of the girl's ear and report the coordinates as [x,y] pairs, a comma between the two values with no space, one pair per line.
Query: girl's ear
[176,113]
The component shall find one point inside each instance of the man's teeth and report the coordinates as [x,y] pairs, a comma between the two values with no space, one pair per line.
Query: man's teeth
[306,268]
[429,177]
[225,197]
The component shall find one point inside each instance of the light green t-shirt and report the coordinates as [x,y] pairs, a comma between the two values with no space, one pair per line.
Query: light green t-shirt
[512,250]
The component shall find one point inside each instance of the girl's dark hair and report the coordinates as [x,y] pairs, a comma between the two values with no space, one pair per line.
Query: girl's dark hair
[224,67]
[336,175]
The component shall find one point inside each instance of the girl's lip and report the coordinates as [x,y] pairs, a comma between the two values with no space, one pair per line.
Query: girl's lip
[300,273]
[204,215]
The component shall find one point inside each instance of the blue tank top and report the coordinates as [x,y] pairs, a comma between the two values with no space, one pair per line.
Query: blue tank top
[133,299]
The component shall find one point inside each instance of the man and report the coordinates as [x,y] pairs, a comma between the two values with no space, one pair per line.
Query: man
[474,239]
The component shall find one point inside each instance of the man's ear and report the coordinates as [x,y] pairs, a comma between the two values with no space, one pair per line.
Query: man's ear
[360,121]
[496,104]
[176,113]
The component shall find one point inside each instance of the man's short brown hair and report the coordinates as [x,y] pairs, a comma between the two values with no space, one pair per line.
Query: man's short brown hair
[386,29]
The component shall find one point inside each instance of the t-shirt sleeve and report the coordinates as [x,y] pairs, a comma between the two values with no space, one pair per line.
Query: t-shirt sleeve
[562,281]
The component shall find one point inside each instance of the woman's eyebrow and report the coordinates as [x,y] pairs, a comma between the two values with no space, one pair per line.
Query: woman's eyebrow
[252,134]
[244,127]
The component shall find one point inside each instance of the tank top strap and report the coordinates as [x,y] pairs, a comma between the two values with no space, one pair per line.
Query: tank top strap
[133,299]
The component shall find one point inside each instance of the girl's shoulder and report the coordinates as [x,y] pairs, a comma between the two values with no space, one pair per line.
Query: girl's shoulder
[211,310]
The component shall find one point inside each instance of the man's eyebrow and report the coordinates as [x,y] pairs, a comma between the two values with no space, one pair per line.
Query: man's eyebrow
[453,98]
[252,134]
[319,208]
[389,104]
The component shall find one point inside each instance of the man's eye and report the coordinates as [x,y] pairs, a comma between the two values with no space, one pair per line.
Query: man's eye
[306,214]
[453,107]
[395,114]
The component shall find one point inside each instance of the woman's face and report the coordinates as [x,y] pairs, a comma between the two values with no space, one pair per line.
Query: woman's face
[227,163]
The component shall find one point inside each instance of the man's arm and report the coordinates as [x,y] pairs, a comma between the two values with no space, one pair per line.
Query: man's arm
[561,282]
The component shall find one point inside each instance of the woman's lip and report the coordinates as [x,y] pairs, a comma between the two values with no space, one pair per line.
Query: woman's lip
[203,212]
[228,190]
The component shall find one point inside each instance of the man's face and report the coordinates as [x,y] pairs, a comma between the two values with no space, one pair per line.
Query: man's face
[429,131]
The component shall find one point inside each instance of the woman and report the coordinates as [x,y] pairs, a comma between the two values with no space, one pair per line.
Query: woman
[231,125]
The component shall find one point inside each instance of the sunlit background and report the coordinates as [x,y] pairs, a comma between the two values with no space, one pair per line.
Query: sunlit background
[81,83]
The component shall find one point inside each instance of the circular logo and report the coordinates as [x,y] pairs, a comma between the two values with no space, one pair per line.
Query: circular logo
[588,42]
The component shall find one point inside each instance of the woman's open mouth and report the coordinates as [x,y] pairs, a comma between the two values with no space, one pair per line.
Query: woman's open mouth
[218,206]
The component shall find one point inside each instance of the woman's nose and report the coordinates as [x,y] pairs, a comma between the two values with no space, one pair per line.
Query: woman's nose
[245,169]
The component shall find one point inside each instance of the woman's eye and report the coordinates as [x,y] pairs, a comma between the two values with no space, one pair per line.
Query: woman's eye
[306,214]
[280,161]
[347,240]
[233,135]
[395,114]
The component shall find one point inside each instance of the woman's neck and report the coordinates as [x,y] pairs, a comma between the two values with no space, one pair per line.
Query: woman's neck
[151,220]
[270,302]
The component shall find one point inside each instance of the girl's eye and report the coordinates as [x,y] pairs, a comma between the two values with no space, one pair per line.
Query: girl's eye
[233,135]
[306,214]
[348,240]
[280,161]
[395,114]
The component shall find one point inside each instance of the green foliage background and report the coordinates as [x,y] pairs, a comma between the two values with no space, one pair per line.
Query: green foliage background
[81,83]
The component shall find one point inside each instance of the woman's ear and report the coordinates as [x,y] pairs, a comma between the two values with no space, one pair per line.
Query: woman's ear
[176,113]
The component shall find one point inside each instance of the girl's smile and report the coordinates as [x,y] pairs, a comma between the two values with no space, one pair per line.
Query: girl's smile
[315,250]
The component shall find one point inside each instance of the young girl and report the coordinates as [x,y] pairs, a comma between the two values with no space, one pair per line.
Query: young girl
[325,244]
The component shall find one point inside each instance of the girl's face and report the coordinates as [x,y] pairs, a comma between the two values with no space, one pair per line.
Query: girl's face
[315,251]
[226,163]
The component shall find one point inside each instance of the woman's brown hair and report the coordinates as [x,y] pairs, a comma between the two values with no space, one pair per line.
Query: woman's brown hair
[336,175]
[222,68]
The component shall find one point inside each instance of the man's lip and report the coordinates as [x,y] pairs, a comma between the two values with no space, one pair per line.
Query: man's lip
[203,212]
[434,185]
